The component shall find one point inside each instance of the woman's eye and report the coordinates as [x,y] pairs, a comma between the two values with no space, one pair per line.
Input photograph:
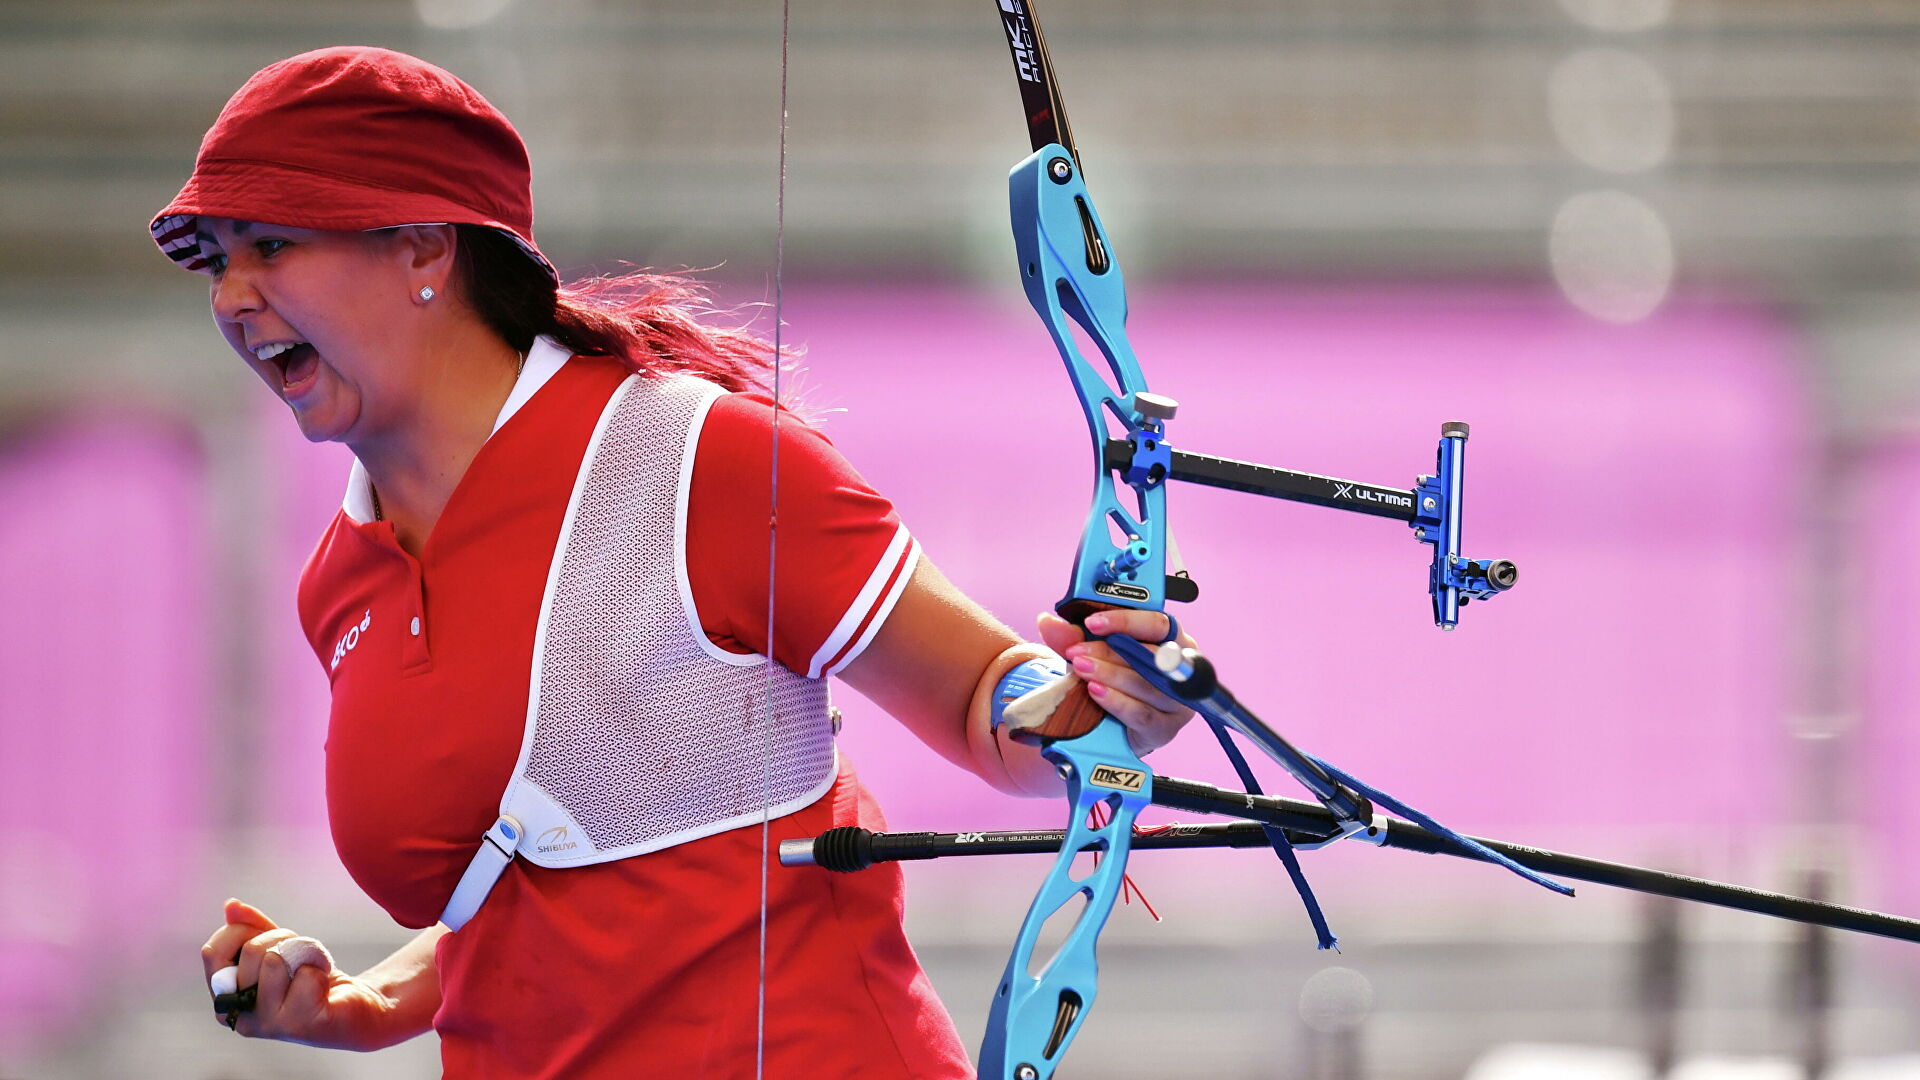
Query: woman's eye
[269,246]
[216,261]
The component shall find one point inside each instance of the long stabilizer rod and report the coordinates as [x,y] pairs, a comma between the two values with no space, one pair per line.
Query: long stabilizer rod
[850,849]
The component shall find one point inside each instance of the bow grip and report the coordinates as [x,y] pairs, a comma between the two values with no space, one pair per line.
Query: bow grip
[1078,713]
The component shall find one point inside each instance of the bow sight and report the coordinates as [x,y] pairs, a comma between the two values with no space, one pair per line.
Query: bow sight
[1432,507]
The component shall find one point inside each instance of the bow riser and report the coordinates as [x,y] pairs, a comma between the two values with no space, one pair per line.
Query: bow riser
[1071,278]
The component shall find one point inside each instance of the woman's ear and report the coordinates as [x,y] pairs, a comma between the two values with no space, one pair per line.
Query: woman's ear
[427,251]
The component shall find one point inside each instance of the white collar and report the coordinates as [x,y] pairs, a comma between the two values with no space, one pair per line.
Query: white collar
[543,362]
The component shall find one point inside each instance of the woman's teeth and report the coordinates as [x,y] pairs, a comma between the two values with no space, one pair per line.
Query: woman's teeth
[268,352]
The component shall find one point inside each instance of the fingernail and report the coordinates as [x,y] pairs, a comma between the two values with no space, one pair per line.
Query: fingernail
[1083,665]
[1096,690]
[1097,623]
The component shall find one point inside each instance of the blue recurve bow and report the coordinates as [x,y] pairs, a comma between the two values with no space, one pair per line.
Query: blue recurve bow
[1073,281]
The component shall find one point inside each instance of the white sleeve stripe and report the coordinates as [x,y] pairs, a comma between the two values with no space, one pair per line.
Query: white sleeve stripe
[856,613]
[907,564]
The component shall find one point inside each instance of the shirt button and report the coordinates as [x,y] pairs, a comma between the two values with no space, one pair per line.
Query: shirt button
[416,626]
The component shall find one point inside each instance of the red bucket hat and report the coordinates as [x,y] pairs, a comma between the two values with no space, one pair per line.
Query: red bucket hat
[355,138]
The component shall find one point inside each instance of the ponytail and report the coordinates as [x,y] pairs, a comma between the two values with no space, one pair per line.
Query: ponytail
[651,322]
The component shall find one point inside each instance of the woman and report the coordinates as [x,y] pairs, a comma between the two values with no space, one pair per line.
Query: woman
[549,578]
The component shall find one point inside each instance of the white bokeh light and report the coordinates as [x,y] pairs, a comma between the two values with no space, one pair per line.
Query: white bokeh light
[1620,16]
[1611,109]
[1612,255]
[1335,999]
[459,14]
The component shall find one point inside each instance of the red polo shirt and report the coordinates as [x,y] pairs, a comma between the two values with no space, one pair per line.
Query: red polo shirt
[647,966]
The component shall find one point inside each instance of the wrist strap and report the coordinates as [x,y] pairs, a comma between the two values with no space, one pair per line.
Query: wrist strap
[1021,681]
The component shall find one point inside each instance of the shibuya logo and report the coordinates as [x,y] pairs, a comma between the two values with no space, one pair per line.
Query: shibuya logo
[554,839]
[1348,491]
[351,639]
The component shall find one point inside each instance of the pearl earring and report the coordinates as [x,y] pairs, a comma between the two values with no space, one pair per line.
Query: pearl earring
[426,293]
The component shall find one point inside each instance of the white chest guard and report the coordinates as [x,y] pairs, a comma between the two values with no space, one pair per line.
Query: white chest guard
[641,733]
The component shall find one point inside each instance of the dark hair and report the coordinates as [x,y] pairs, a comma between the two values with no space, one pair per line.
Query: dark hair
[651,321]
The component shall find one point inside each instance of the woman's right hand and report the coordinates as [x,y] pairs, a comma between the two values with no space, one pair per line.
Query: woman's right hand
[313,1003]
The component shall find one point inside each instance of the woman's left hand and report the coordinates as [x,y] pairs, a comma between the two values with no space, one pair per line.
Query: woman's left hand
[1151,718]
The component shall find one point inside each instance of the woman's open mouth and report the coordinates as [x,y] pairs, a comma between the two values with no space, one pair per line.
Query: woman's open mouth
[297,361]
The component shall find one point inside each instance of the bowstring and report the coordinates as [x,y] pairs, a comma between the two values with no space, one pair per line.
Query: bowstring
[773,522]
